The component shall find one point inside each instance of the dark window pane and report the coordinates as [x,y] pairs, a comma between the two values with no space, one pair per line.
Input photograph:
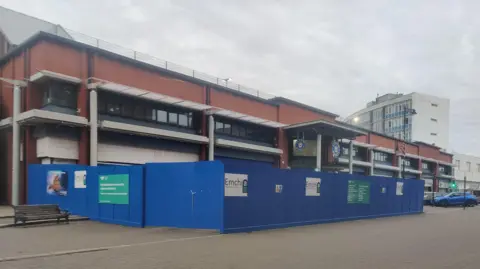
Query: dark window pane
[235,130]
[241,131]
[227,129]
[139,112]
[219,127]
[63,95]
[127,110]
[161,116]
[183,120]
[172,118]
[101,105]
[113,108]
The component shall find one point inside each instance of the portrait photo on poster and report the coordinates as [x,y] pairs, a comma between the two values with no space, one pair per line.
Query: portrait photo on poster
[57,183]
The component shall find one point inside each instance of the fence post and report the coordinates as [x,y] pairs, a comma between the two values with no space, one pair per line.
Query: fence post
[193,72]
[166,65]
[135,54]
[98,42]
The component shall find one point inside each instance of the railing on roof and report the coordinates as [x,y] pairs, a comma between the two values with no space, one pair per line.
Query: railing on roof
[145,58]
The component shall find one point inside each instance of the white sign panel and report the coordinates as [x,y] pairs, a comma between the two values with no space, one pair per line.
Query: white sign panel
[312,186]
[236,185]
[399,188]
[80,179]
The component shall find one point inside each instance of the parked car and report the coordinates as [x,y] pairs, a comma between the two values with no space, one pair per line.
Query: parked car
[428,197]
[456,198]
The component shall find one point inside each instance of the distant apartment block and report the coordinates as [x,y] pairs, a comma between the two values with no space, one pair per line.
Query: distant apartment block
[391,115]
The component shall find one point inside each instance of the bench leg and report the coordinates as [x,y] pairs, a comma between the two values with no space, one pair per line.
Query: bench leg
[58,220]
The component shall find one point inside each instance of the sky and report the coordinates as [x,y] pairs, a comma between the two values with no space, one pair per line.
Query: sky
[332,54]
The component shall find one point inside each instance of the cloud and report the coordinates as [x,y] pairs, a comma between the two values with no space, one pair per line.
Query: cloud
[335,55]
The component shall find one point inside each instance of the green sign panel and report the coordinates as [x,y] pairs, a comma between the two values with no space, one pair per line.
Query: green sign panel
[113,189]
[358,192]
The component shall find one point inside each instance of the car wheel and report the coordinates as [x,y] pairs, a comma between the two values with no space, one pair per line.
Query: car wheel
[471,203]
[444,203]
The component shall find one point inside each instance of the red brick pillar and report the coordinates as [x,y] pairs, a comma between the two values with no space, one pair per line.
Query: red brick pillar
[203,130]
[282,143]
[83,111]
[435,178]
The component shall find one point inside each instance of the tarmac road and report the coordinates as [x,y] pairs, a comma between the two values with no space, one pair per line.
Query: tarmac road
[441,238]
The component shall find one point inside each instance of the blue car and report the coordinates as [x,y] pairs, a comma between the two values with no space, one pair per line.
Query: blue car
[456,198]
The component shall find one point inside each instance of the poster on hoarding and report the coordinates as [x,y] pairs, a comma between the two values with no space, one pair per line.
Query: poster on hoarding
[312,186]
[236,185]
[113,189]
[80,179]
[57,183]
[399,188]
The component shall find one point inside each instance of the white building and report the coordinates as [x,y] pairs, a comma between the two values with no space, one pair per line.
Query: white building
[385,115]
[467,166]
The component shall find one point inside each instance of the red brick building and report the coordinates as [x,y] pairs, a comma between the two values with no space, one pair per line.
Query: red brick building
[84,105]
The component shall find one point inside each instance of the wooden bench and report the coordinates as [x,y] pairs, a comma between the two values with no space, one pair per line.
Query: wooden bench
[24,213]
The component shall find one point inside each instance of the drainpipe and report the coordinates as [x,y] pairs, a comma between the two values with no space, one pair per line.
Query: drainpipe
[319,153]
[211,141]
[401,166]
[93,128]
[350,157]
[17,93]
[372,158]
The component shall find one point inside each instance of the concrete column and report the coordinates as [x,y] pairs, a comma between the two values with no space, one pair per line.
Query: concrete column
[400,165]
[372,159]
[318,165]
[93,128]
[17,93]
[350,157]
[211,136]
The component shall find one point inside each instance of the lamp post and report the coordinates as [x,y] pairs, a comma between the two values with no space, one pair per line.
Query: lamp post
[464,192]
[412,112]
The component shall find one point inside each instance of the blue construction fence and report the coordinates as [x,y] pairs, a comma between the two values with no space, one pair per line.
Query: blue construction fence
[227,195]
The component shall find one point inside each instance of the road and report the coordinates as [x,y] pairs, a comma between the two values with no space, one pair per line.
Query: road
[441,238]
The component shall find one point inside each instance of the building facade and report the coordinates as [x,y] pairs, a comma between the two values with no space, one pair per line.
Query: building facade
[391,114]
[65,102]
[467,170]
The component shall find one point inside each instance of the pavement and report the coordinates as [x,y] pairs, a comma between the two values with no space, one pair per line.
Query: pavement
[6,211]
[441,238]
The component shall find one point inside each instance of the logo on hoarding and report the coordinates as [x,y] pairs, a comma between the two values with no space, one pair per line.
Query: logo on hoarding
[336,149]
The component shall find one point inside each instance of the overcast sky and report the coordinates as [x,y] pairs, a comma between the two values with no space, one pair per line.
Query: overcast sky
[332,54]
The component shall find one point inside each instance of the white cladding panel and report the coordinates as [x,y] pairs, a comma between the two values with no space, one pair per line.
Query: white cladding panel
[55,147]
[137,155]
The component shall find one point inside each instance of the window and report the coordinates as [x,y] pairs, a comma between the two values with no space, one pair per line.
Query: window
[434,105]
[151,114]
[433,134]
[139,112]
[468,166]
[61,94]
[425,166]
[406,162]
[172,118]
[183,120]
[218,127]
[380,156]
[227,128]
[127,110]
[434,120]
[457,164]
[162,116]
[113,108]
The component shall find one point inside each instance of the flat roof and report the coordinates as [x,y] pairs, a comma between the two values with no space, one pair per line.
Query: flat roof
[279,99]
[336,129]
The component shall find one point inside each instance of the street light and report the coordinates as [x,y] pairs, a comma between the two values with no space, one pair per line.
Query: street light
[412,112]
[226,81]
[355,119]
